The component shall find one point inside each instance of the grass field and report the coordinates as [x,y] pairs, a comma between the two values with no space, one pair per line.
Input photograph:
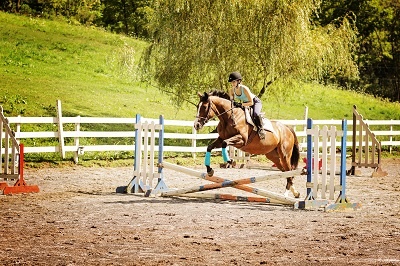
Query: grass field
[94,73]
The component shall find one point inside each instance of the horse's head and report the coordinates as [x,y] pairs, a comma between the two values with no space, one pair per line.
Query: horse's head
[214,103]
[204,111]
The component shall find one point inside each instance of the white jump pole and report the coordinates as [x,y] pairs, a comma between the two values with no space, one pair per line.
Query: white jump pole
[239,184]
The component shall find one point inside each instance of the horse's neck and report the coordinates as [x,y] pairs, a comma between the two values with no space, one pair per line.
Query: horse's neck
[231,121]
[224,109]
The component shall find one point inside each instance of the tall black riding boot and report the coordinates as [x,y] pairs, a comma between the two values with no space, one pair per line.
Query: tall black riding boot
[260,125]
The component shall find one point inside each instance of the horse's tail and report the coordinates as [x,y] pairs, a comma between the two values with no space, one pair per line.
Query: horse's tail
[294,160]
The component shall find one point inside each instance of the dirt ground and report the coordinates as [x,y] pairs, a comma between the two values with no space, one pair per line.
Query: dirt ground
[78,219]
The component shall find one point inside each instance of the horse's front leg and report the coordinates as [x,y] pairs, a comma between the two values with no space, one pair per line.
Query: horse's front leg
[207,160]
[236,141]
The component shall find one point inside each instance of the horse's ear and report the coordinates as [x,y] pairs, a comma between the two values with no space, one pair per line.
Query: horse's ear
[203,97]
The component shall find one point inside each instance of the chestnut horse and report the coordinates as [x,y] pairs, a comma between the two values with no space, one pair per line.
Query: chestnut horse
[280,146]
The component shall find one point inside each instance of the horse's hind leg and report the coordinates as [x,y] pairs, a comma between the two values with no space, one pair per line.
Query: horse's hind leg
[282,162]
[290,187]
[285,156]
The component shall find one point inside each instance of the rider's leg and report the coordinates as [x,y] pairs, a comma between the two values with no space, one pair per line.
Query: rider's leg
[260,120]
[260,125]
[258,117]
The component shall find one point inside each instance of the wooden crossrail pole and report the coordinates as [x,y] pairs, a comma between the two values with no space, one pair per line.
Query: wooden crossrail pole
[238,184]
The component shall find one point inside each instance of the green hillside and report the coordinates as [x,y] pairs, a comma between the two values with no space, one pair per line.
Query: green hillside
[91,71]
[94,73]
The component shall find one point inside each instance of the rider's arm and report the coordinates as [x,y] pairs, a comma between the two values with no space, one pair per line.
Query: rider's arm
[231,96]
[248,95]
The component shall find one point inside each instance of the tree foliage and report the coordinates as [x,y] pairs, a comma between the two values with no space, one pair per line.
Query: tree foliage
[198,42]
[84,12]
[130,17]
[195,44]
[378,56]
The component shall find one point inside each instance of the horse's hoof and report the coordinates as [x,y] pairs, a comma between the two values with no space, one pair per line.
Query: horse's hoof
[147,193]
[297,195]
[211,172]
[230,164]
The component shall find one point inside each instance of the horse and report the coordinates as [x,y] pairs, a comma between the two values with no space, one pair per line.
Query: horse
[280,146]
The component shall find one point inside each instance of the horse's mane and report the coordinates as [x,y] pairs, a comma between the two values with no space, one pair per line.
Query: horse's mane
[221,94]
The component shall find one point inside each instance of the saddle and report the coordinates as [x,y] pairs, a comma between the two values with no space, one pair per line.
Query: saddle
[249,119]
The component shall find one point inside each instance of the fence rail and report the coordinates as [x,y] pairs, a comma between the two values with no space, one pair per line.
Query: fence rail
[387,131]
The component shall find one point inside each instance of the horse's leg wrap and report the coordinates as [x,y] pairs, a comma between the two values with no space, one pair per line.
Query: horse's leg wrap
[207,159]
[225,155]
[228,163]
[207,163]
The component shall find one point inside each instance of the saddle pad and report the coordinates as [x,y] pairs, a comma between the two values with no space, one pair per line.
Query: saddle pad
[267,123]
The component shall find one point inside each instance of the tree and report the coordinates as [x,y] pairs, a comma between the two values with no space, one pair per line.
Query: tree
[10,5]
[378,55]
[198,42]
[127,16]
[85,12]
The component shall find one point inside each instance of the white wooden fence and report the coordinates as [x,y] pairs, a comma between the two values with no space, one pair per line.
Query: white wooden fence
[390,136]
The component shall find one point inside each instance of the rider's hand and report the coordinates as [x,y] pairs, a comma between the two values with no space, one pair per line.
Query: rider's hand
[236,104]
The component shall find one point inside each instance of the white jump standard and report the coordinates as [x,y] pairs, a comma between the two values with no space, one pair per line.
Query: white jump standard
[314,175]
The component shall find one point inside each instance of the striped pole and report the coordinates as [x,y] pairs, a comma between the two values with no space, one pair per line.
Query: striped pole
[239,184]
[309,156]
[343,162]
[230,197]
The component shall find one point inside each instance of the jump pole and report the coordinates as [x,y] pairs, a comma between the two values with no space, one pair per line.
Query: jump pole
[238,184]
[230,197]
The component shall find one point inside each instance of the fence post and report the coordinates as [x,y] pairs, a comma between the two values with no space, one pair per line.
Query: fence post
[79,149]
[353,148]
[391,137]
[194,142]
[18,129]
[305,126]
[6,150]
[60,129]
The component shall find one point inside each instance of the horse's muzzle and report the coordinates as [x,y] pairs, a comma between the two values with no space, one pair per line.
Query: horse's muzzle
[197,124]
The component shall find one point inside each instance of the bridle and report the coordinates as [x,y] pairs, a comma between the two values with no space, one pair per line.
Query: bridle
[211,106]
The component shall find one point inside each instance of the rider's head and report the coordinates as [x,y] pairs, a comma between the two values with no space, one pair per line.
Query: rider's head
[235,76]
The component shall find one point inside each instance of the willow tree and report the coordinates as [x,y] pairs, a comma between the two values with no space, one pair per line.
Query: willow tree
[197,43]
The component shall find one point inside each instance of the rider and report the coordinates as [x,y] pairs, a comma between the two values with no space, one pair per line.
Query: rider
[243,93]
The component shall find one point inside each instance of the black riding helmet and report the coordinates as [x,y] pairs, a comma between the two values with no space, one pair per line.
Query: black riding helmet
[234,76]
